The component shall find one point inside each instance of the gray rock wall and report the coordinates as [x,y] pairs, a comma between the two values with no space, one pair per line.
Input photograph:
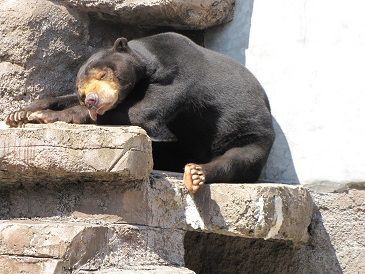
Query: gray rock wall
[188,14]
[42,44]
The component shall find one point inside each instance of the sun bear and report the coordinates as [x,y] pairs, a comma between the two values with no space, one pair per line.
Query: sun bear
[206,114]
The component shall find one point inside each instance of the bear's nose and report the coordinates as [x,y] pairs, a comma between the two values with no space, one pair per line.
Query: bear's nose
[91,100]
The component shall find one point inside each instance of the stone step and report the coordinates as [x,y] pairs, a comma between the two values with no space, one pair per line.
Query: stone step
[64,209]
[268,211]
[261,210]
[61,150]
[29,265]
[94,173]
[146,270]
[75,246]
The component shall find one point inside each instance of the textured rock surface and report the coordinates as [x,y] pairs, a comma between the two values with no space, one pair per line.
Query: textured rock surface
[74,243]
[268,211]
[145,270]
[82,246]
[41,46]
[62,149]
[79,225]
[336,244]
[338,229]
[192,14]
[29,265]
[255,211]
[79,217]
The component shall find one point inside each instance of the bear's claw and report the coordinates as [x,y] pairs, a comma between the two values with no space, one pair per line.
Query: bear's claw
[18,118]
[193,177]
[21,117]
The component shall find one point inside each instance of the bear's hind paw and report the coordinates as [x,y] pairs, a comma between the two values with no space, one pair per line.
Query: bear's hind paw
[194,177]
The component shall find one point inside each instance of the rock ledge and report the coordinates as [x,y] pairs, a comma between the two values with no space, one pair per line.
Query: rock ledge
[64,150]
[187,14]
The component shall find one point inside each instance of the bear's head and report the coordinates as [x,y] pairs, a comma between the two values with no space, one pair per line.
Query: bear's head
[106,78]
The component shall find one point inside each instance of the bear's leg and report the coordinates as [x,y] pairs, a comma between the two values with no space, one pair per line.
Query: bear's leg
[54,103]
[154,123]
[46,110]
[237,165]
[75,115]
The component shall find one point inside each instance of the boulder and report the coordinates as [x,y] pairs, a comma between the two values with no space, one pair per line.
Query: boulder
[41,46]
[188,14]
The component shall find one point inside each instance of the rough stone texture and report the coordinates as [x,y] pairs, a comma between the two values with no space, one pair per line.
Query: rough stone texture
[74,244]
[64,149]
[84,220]
[269,211]
[42,43]
[220,254]
[146,270]
[28,265]
[79,225]
[245,224]
[82,246]
[336,244]
[254,211]
[338,229]
[191,14]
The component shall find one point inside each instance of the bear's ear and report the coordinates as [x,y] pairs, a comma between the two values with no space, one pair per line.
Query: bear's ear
[121,44]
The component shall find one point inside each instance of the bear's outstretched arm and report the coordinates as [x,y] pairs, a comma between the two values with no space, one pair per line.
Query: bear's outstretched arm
[54,103]
[62,108]
[237,165]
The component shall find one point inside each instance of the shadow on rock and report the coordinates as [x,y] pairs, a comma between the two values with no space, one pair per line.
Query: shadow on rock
[213,253]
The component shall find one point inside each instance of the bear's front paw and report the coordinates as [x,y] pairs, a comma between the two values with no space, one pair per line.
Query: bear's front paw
[194,177]
[18,118]
[44,116]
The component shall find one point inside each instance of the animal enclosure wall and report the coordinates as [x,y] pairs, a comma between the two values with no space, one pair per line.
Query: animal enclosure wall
[309,57]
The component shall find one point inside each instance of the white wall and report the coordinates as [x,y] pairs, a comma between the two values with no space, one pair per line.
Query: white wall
[310,57]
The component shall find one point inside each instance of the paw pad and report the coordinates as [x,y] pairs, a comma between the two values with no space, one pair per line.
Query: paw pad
[194,177]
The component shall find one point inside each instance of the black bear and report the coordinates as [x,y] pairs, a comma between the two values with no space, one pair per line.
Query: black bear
[201,109]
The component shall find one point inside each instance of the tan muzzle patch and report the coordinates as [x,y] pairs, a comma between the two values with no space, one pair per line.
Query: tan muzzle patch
[103,83]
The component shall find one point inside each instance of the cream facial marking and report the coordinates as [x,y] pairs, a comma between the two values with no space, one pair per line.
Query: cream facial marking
[103,86]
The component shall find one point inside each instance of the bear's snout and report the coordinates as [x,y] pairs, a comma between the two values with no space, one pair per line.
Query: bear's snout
[91,100]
